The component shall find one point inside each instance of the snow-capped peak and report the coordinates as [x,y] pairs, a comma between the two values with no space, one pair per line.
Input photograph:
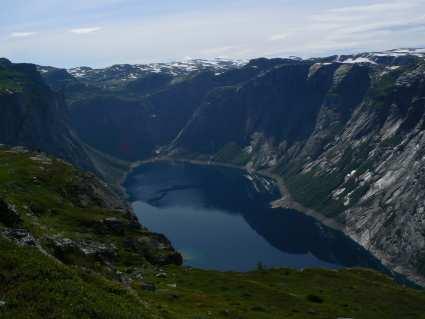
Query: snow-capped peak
[388,58]
[130,72]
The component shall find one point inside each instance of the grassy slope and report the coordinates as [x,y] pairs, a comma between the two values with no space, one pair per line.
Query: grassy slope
[34,285]
[10,80]
[283,293]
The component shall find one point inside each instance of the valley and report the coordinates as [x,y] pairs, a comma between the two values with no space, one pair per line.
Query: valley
[203,149]
[344,133]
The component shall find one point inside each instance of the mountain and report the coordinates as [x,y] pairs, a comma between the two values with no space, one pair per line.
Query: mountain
[154,106]
[121,74]
[394,57]
[347,138]
[344,132]
[36,117]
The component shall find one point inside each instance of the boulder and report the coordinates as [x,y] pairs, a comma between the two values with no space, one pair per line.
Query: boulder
[69,251]
[20,236]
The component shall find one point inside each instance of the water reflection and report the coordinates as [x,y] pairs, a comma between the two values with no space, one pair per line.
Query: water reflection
[220,218]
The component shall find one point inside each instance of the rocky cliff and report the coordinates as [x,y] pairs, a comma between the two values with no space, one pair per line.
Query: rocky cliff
[131,117]
[72,215]
[36,117]
[348,138]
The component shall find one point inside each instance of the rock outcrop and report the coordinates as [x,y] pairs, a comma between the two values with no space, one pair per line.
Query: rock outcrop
[73,216]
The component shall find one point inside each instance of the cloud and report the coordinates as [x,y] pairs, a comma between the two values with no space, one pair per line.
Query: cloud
[159,33]
[378,7]
[279,37]
[22,34]
[376,25]
[85,30]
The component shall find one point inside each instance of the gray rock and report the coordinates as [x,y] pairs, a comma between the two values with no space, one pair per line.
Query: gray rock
[64,247]
[20,236]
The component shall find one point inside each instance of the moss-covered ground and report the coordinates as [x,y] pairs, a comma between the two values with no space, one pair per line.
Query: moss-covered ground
[47,194]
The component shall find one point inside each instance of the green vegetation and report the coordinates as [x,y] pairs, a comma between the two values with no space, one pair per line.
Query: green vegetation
[54,200]
[383,88]
[314,189]
[19,78]
[232,153]
[36,286]
[10,80]
[392,142]
[282,293]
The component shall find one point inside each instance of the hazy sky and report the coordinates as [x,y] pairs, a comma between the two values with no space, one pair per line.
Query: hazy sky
[103,32]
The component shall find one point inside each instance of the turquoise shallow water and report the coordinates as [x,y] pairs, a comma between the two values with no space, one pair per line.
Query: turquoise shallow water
[220,218]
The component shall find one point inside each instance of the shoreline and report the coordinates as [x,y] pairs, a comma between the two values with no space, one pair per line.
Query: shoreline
[286,202]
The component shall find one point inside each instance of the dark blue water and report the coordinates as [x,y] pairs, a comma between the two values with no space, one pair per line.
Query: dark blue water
[220,218]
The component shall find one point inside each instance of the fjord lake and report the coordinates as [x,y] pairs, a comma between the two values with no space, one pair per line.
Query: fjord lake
[220,218]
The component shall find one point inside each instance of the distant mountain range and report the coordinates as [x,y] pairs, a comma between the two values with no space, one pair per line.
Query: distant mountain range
[122,73]
[128,72]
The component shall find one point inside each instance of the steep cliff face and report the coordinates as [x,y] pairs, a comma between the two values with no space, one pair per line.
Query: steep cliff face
[281,105]
[348,138]
[36,117]
[370,171]
[131,123]
[130,117]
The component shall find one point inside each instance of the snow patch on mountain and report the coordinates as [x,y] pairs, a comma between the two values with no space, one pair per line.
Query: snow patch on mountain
[359,60]
[178,68]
